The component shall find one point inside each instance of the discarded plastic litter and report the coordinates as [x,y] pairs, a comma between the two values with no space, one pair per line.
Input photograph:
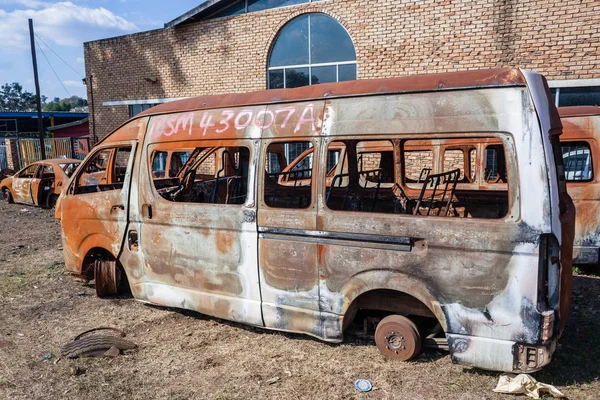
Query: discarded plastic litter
[363,385]
[525,384]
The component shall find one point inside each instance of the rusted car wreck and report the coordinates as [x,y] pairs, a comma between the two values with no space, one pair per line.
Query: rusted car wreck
[433,207]
[580,144]
[40,183]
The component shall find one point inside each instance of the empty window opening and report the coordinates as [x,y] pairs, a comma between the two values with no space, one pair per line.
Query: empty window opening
[455,159]
[213,175]
[288,178]
[418,165]
[436,179]
[105,171]
[365,184]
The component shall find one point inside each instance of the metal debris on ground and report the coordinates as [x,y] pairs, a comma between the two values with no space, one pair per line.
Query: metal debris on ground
[97,345]
[363,385]
[525,384]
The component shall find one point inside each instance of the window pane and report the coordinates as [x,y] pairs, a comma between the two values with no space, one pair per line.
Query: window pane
[329,41]
[259,5]
[296,77]
[236,9]
[135,109]
[577,161]
[495,166]
[290,187]
[276,79]
[291,45]
[347,72]
[582,96]
[323,74]
[159,164]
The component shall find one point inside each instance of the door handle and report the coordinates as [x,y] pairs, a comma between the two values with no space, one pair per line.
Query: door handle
[117,207]
[147,210]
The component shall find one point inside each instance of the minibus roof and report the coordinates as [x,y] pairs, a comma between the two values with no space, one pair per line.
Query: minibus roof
[414,83]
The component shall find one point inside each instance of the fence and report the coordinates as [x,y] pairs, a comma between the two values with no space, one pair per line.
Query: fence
[30,149]
[3,158]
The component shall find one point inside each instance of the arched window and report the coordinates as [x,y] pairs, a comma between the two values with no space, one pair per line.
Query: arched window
[310,49]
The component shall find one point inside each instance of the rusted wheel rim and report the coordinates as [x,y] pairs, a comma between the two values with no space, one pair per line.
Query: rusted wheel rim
[398,338]
[107,277]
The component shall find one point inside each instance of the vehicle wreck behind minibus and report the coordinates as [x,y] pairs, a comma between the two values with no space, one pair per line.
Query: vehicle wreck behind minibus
[328,208]
[580,143]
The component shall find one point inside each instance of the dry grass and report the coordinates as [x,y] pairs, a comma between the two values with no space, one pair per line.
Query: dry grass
[185,355]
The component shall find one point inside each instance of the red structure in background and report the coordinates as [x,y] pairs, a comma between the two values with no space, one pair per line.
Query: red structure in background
[76,129]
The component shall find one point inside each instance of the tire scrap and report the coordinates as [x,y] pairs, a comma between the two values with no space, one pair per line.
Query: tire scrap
[97,345]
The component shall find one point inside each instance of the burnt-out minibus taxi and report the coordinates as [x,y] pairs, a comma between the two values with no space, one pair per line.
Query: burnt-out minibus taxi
[580,144]
[307,210]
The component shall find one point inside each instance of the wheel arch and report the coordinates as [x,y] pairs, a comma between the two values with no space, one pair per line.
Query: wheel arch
[382,289]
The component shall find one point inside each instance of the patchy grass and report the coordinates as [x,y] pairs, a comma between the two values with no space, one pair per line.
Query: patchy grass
[185,355]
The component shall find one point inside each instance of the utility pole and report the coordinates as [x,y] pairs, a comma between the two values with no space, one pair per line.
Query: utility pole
[38,100]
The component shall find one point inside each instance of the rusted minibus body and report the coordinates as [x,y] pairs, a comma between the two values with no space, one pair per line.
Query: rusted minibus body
[580,143]
[246,232]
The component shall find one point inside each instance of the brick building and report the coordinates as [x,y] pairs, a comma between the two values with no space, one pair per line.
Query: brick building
[237,46]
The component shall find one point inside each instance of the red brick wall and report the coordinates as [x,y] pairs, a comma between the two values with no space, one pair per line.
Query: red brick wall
[392,38]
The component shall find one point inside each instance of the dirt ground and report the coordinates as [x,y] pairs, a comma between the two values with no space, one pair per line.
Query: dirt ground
[184,355]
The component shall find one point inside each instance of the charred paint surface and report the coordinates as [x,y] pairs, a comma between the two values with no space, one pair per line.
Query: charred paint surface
[34,190]
[479,277]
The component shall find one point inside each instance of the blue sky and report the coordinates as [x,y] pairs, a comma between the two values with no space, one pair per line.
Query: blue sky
[64,26]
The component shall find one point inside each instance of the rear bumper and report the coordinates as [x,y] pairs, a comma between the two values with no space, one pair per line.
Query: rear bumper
[499,355]
[585,254]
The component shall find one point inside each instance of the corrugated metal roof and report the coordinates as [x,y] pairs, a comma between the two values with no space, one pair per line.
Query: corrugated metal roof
[46,114]
[195,14]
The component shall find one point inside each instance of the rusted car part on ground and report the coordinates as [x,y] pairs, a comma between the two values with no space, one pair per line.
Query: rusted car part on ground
[580,143]
[40,183]
[410,209]
[97,345]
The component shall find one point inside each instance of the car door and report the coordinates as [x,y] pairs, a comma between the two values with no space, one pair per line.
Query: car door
[22,184]
[35,186]
[94,208]
[197,242]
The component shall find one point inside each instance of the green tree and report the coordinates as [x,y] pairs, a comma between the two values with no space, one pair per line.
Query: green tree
[65,104]
[14,98]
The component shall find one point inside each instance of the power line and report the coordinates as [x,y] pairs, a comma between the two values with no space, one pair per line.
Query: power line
[52,68]
[56,54]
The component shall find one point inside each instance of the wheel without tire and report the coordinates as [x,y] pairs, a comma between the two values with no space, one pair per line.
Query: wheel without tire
[398,338]
[7,196]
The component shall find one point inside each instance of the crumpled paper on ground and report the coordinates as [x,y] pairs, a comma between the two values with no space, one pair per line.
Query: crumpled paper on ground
[525,384]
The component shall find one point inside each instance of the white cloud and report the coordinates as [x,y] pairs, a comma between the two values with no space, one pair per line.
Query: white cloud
[73,83]
[26,3]
[63,23]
